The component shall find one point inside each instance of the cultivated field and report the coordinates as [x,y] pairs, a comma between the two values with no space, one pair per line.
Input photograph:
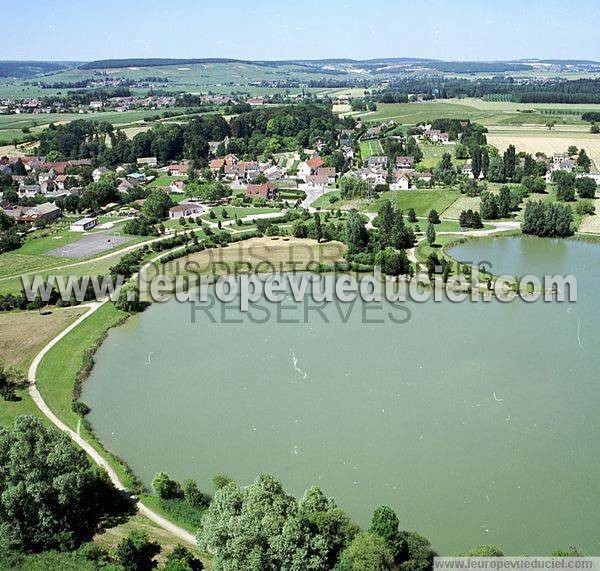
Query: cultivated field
[548,142]
[24,333]
[259,253]
[591,223]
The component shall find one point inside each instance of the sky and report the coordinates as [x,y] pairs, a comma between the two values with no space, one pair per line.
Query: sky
[82,30]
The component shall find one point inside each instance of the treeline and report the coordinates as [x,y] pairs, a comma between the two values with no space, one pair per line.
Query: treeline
[256,132]
[504,88]
[99,141]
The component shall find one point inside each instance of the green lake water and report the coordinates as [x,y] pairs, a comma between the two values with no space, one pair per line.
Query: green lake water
[477,422]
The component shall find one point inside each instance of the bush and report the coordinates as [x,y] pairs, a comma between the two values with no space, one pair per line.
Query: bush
[136,552]
[164,487]
[80,408]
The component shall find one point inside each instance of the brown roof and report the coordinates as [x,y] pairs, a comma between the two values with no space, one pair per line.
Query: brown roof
[315,163]
[260,190]
[326,171]
[183,207]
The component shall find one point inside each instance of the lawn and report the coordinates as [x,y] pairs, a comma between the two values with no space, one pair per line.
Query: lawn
[369,148]
[164,180]
[422,201]
[423,250]
[237,211]
[432,155]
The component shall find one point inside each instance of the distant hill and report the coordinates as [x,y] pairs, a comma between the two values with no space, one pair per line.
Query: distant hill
[436,65]
[25,69]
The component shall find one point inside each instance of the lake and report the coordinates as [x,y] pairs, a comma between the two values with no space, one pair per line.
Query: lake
[477,422]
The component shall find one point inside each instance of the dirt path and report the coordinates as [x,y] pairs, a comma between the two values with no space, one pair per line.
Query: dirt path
[169,526]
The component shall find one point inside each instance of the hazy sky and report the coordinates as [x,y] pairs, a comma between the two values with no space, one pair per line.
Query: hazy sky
[265,29]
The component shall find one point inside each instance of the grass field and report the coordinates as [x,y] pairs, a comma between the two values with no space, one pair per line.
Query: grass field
[460,204]
[422,201]
[239,211]
[370,148]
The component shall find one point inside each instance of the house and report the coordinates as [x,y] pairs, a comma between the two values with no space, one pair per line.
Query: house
[316,181]
[124,186]
[47,212]
[594,175]
[377,161]
[329,172]
[136,177]
[468,169]
[187,210]
[151,162]
[178,170]
[97,173]
[374,132]
[400,180]
[177,187]
[30,190]
[266,191]
[274,173]
[309,167]
[405,162]
[84,224]
[436,136]
[424,176]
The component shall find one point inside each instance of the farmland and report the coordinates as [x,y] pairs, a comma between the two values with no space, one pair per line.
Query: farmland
[532,140]
[484,112]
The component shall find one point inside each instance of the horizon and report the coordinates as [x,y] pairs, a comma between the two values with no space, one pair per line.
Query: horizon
[461,30]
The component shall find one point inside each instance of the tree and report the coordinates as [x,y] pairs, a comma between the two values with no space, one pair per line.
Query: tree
[318,227]
[485,551]
[595,128]
[385,523]
[411,215]
[164,487]
[433,217]
[136,552]
[565,185]
[393,262]
[367,552]
[357,237]
[182,559]
[156,205]
[7,386]
[583,161]
[261,527]
[221,480]
[551,220]
[129,299]
[572,150]
[413,150]
[504,202]
[586,187]
[193,495]
[510,162]
[430,233]
[419,555]
[445,171]
[489,206]
[495,171]
[51,497]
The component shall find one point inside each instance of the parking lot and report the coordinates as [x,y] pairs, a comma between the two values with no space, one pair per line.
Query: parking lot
[90,245]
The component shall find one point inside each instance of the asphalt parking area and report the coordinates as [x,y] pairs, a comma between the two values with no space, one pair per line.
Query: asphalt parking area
[89,245]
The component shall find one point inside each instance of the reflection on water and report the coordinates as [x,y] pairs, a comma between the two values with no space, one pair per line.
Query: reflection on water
[477,422]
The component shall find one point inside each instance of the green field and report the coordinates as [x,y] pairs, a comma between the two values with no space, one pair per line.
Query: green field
[237,211]
[484,112]
[370,148]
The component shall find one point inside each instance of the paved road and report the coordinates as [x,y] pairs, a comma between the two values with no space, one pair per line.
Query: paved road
[169,526]
[312,195]
[89,245]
